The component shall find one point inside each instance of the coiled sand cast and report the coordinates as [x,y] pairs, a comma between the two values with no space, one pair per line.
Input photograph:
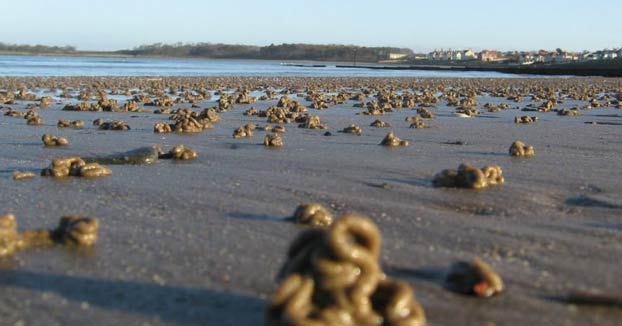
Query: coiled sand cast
[332,278]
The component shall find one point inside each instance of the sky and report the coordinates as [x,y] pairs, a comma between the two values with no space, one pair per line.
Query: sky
[420,25]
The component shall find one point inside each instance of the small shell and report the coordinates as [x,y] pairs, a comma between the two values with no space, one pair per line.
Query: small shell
[474,278]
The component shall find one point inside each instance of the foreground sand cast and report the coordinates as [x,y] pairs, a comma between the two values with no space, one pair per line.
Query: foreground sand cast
[71,230]
[51,140]
[244,131]
[313,214]
[92,167]
[332,277]
[179,152]
[273,140]
[77,124]
[520,149]
[468,176]
[390,140]
[76,167]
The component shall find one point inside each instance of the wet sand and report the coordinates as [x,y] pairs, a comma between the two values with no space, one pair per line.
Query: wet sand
[200,242]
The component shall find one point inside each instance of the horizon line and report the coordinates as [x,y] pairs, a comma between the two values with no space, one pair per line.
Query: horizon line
[318,44]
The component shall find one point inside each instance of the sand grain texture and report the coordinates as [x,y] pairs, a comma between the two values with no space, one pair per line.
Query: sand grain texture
[200,242]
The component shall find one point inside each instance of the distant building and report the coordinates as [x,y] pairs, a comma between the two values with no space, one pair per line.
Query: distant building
[448,55]
[451,55]
[562,57]
[397,56]
[441,55]
[589,56]
[609,54]
[524,57]
[527,59]
[487,56]
[469,55]
[434,55]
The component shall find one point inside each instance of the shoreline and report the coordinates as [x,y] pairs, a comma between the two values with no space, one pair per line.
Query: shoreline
[604,68]
[121,55]
[587,69]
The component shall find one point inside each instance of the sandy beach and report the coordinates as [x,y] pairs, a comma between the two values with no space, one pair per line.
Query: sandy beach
[200,242]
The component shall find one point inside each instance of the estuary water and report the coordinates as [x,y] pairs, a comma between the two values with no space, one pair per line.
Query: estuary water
[21,65]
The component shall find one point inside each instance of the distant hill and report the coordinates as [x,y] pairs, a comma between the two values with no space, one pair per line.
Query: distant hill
[206,50]
[293,51]
[318,52]
[36,49]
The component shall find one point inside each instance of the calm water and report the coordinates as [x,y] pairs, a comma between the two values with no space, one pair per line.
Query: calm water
[11,65]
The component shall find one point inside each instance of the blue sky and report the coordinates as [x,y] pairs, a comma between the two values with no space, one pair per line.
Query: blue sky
[420,25]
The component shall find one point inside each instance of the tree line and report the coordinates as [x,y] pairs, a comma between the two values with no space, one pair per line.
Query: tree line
[286,51]
[36,48]
[320,52]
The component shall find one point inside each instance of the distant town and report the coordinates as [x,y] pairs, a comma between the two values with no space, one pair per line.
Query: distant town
[510,57]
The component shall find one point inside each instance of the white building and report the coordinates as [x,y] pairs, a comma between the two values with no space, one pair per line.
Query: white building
[441,55]
[451,55]
[589,56]
[469,55]
[435,55]
[527,59]
[397,56]
[608,54]
[562,57]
